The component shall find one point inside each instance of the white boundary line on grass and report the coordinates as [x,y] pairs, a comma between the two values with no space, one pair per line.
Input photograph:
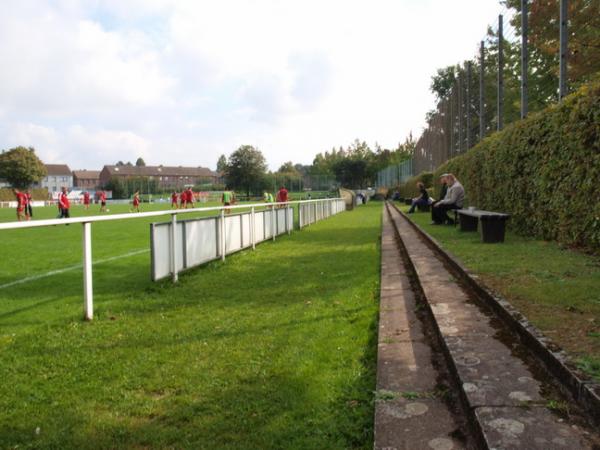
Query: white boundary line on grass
[68,269]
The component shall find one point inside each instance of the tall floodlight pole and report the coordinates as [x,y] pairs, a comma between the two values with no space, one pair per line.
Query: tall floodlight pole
[468,105]
[481,87]
[524,58]
[564,42]
[500,102]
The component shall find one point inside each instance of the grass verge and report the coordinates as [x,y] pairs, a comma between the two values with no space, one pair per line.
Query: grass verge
[272,349]
[556,288]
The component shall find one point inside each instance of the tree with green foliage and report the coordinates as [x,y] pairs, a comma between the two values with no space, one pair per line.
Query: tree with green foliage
[246,169]
[222,164]
[21,167]
[140,162]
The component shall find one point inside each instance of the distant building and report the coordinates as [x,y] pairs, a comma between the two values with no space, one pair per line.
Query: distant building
[59,175]
[86,179]
[167,177]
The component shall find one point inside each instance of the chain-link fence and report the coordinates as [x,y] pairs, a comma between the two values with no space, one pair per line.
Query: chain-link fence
[396,174]
[532,55]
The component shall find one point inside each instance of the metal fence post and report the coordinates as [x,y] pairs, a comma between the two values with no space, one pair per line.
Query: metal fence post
[500,103]
[460,111]
[88,291]
[524,57]
[481,94]
[174,274]
[468,92]
[564,43]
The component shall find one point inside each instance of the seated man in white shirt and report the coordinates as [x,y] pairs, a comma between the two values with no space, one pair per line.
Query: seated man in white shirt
[453,200]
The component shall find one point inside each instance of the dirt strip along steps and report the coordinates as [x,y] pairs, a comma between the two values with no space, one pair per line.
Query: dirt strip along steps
[506,392]
[412,411]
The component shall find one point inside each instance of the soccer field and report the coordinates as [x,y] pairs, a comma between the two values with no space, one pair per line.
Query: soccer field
[273,349]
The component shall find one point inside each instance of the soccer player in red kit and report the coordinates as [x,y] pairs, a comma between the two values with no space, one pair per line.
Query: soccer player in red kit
[28,206]
[64,204]
[183,199]
[86,200]
[21,203]
[136,201]
[174,200]
[190,197]
[102,199]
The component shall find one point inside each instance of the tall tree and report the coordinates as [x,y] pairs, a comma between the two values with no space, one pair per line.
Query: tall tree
[21,167]
[222,163]
[140,162]
[246,169]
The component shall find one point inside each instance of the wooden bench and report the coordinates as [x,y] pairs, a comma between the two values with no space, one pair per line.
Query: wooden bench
[493,224]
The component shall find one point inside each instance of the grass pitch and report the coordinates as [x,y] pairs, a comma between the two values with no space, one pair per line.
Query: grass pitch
[272,349]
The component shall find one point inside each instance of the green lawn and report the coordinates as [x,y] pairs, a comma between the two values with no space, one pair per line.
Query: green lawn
[558,289]
[272,349]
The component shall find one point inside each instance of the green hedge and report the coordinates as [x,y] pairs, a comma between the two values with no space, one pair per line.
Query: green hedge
[544,170]
[410,190]
[6,194]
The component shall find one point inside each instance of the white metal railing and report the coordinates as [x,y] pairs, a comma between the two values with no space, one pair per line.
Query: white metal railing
[310,211]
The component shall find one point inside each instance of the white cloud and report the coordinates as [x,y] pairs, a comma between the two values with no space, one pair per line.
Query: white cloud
[180,82]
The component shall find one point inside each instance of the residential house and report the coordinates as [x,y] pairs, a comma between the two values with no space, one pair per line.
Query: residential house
[167,176]
[86,180]
[58,175]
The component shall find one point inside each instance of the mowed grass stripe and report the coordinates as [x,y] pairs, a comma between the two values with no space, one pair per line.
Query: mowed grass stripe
[272,349]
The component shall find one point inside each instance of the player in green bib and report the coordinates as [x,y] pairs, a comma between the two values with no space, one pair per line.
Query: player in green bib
[227,199]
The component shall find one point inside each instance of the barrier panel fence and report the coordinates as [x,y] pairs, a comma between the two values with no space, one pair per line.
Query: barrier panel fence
[180,245]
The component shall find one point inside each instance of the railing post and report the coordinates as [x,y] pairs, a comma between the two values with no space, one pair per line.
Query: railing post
[287,219]
[174,273]
[253,228]
[273,222]
[223,244]
[88,291]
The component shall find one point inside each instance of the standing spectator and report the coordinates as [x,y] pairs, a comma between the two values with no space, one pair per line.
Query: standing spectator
[282,196]
[102,198]
[422,200]
[453,200]
[21,204]
[136,201]
[64,204]
[174,199]
[29,209]
[86,200]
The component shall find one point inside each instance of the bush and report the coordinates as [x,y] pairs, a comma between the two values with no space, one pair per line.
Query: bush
[410,190]
[544,170]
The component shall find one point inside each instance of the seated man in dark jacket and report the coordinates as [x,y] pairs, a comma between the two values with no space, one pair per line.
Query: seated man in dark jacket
[422,200]
[453,200]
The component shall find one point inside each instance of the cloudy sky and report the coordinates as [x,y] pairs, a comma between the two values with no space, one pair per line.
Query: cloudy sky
[179,82]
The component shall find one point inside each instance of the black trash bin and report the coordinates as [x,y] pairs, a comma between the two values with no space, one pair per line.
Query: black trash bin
[493,228]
